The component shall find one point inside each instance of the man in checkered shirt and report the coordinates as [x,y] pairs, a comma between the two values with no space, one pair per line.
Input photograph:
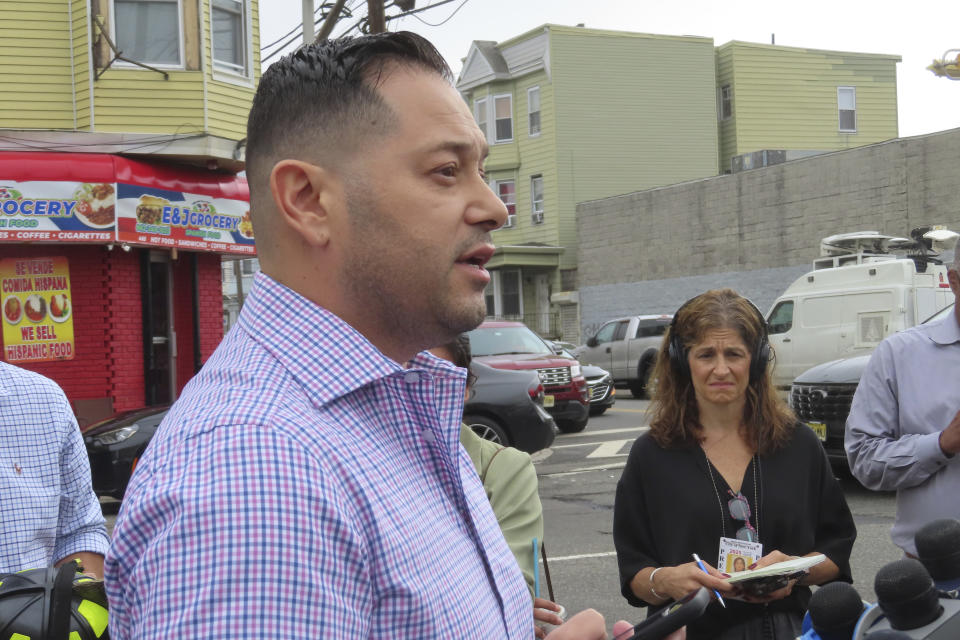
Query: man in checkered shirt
[48,511]
[307,484]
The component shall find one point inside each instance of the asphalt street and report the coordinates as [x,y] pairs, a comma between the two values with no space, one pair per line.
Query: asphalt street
[578,478]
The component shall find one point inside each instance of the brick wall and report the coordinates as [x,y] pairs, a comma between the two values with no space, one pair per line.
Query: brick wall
[108,321]
[125,341]
[756,231]
[210,313]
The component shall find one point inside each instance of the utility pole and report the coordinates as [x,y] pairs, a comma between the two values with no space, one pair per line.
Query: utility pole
[375,16]
[307,12]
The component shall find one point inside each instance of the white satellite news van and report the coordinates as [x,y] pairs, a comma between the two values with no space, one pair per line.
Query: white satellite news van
[866,286]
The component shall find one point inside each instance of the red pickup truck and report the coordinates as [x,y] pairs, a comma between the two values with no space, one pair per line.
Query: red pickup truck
[512,345]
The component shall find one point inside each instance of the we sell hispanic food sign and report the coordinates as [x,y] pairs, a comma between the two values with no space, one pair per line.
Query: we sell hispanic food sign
[183,220]
[37,311]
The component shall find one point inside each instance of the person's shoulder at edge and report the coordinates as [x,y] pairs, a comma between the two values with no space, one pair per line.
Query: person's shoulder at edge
[15,380]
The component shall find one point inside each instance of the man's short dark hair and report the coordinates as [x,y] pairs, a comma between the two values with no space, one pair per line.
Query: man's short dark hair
[323,97]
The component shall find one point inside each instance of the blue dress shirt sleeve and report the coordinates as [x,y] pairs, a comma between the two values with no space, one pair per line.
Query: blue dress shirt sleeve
[883,455]
[81,526]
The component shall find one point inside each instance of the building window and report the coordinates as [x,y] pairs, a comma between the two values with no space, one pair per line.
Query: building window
[503,109]
[507,191]
[148,31]
[847,107]
[228,20]
[511,304]
[726,102]
[536,198]
[480,113]
[533,110]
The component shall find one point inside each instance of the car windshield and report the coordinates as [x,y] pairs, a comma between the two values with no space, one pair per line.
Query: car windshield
[940,314]
[495,341]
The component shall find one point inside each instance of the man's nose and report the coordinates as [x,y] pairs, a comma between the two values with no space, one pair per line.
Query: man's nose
[487,209]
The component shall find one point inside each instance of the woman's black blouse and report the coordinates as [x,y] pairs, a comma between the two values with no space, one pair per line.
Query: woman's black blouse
[666,509]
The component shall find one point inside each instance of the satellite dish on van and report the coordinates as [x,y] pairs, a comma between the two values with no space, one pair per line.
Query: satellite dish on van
[941,239]
[859,241]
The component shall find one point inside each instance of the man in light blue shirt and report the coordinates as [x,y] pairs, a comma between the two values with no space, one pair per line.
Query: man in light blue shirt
[903,432]
[48,511]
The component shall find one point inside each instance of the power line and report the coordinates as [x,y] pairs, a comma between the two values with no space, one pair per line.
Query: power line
[442,22]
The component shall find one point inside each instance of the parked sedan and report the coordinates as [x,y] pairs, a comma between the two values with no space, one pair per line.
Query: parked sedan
[115,445]
[505,406]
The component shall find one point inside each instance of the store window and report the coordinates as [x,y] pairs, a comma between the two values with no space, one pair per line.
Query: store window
[149,31]
[228,21]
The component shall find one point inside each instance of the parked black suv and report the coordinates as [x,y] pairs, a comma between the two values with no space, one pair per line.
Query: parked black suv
[821,397]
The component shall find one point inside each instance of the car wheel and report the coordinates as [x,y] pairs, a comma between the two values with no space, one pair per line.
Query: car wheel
[571,426]
[636,388]
[597,411]
[649,383]
[487,429]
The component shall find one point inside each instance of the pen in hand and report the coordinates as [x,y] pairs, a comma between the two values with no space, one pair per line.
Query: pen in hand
[700,564]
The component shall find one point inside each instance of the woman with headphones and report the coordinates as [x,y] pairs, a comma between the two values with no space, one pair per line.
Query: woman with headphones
[726,471]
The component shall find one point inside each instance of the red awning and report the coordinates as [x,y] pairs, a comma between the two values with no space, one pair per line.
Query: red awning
[104,198]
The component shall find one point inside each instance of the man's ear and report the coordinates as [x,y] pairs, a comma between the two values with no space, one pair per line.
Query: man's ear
[306,195]
[953,276]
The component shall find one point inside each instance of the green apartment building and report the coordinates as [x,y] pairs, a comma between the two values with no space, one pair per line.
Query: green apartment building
[780,103]
[575,114]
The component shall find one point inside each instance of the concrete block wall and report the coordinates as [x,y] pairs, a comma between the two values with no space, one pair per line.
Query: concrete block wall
[756,231]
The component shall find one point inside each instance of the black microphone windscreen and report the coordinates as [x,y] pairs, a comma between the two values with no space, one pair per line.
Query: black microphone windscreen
[906,594]
[938,548]
[834,610]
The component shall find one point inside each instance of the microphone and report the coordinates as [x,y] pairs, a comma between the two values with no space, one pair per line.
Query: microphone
[909,604]
[834,611]
[938,549]
[907,595]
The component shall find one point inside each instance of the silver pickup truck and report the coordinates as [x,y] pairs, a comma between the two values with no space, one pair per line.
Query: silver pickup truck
[627,348]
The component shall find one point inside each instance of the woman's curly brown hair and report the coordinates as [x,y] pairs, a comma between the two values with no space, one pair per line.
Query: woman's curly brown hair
[767,420]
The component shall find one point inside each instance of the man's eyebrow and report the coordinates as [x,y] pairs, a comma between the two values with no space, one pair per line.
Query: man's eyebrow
[460,148]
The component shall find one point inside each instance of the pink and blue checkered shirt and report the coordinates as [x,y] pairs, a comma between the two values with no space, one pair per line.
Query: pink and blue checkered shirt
[307,486]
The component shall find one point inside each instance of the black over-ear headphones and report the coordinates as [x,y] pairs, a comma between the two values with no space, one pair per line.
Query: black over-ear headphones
[759,355]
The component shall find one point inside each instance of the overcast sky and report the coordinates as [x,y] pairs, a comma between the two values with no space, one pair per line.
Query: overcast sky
[916,30]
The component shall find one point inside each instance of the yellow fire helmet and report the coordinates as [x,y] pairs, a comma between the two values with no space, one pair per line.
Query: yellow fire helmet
[52,604]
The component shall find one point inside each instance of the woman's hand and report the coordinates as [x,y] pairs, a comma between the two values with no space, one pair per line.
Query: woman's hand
[545,612]
[771,558]
[676,582]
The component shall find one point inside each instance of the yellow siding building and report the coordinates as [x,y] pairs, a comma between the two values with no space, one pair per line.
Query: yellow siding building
[171,78]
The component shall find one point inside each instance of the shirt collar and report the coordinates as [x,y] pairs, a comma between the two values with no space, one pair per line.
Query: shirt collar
[946,331]
[325,354]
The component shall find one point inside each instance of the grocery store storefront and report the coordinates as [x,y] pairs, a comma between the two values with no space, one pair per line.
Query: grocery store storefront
[110,277]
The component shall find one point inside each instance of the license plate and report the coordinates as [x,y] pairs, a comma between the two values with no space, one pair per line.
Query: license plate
[548,401]
[820,429]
